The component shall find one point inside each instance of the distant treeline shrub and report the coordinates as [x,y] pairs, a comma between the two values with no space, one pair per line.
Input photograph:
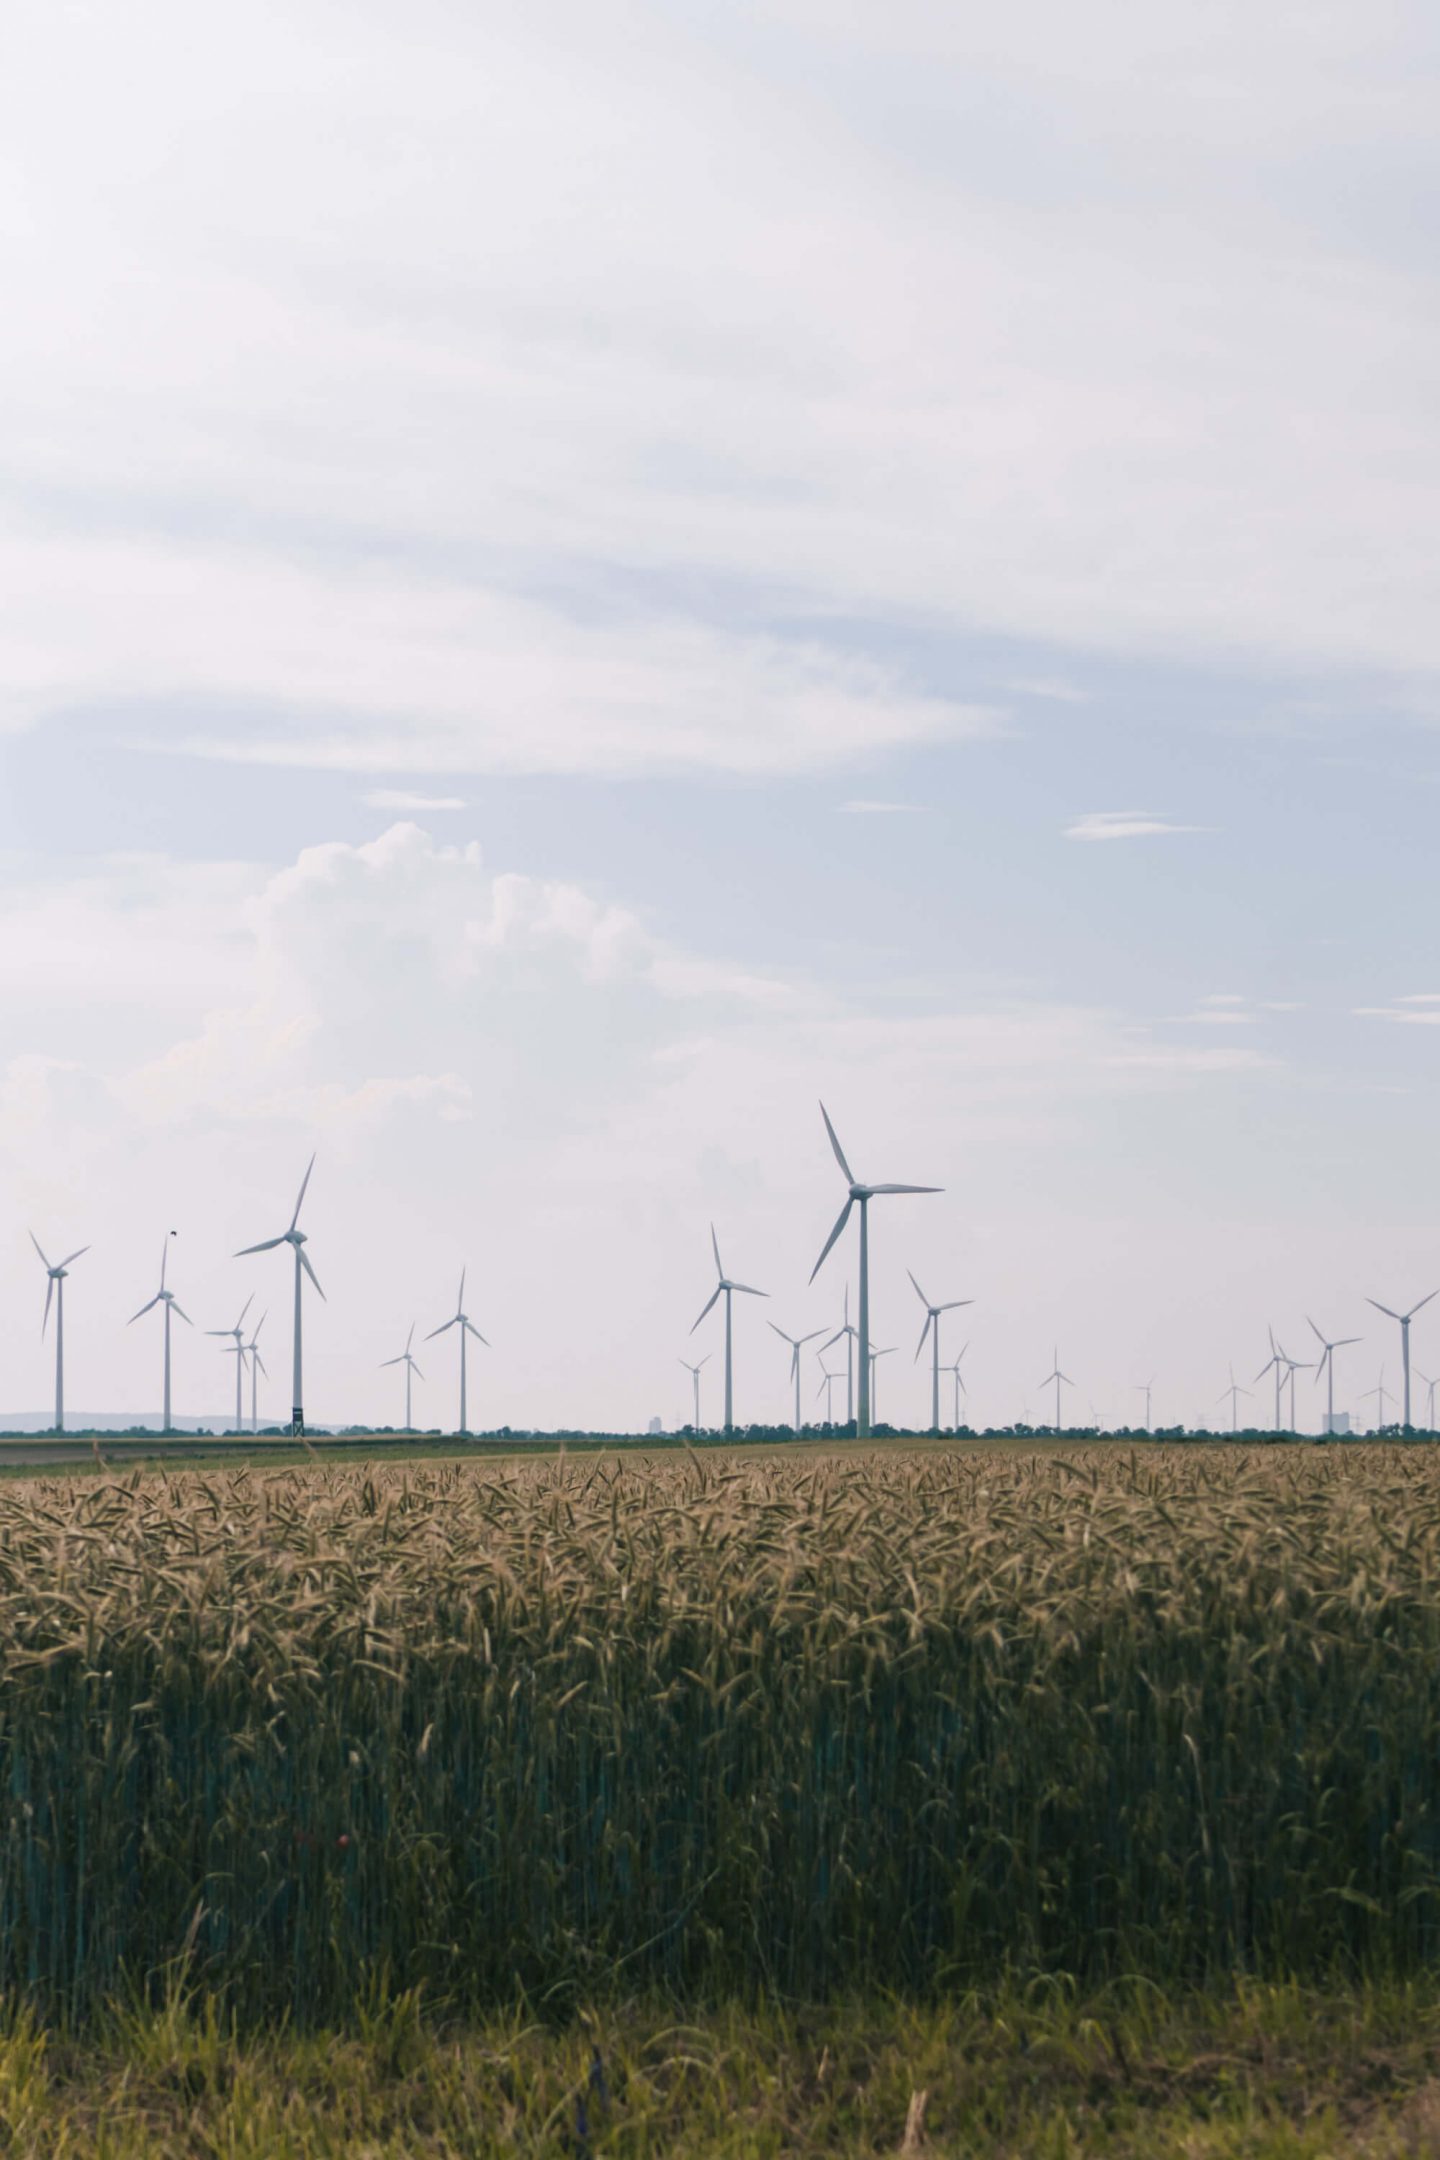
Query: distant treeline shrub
[709,1724]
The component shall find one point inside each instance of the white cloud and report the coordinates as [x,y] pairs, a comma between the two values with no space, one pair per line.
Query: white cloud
[1403,1014]
[862,807]
[1123,825]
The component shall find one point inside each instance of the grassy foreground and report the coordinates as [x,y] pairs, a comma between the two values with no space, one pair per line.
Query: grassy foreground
[1267,2073]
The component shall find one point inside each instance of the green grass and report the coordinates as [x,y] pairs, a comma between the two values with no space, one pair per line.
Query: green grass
[1268,2073]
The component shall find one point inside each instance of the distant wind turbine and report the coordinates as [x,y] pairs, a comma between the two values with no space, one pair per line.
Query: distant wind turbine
[1292,1366]
[1143,1387]
[959,1384]
[1325,1369]
[694,1372]
[724,1287]
[1232,1392]
[1430,1410]
[846,1334]
[466,1327]
[411,1367]
[932,1329]
[295,1238]
[1059,1380]
[165,1299]
[236,1349]
[1404,1319]
[863,1194]
[1371,1393]
[55,1288]
[257,1366]
[827,1382]
[1276,1365]
[875,1356]
[797,1343]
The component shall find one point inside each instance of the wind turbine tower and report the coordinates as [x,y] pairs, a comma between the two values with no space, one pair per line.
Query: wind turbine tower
[827,1383]
[1233,1393]
[796,1343]
[1325,1369]
[411,1367]
[1383,1393]
[860,1195]
[1059,1380]
[1275,1365]
[236,1349]
[875,1357]
[1143,1387]
[959,1384]
[725,1288]
[694,1372]
[165,1299]
[257,1366]
[55,1288]
[294,1237]
[1404,1319]
[466,1327]
[932,1329]
[846,1334]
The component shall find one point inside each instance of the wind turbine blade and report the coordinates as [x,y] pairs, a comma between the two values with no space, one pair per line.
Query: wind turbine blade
[416,1370]
[219,1331]
[268,1246]
[838,1336]
[49,1293]
[749,1290]
[704,1360]
[85,1248]
[906,1188]
[1313,1329]
[929,1316]
[183,1315]
[839,1151]
[843,1218]
[955,1304]
[244,1309]
[471,1329]
[714,1298]
[715,1247]
[918,1291]
[39,1248]
[390,1361]
[261,1363]
[1345,1340]
[305,1263]
[781,1333]
[812,1334]
[1384,1308]
[164,1258]
[142,1312]
[303,1183]
[460,1293]
[409,1339]
[258,1325]
[1413,1309]
[443,1328]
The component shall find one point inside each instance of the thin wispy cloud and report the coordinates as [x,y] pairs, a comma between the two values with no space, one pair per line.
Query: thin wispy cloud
[1406,1012]
[1124,825]
[1051,688]
[384,798]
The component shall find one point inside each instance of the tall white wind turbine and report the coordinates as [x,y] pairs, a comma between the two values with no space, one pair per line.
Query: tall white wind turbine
[860,1195]
[846,1334]
[932,1329]
[875,1357]
[410,1365]
[295,1238]
[827,1382]
[1404,1319]
[55,1288]
[694,1372]
[1275,1364]
[724,1287]
[1292,1366]
[237,1349]
[1384,1395]
[466,1327]
[1325,1369]
[257,1366]
[796,1343]
[165,1299]
[1058,1379]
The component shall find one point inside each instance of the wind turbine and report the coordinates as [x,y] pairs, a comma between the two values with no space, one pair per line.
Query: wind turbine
[959,1385]
[796,1342]
[694,1372]
[410,1365]
[1325,1369]
[257,1365]
[1277,1360]
[1292,1366]
[1143,1387]
[932,1329]
[1382,1393]
[166,1300]
[863,1194]
[1060,1379]
[296,1239]
[55,1288]
[1430,1412]
[236,1349]
[875,1356]
[827,1383]
[1233,1392]
[1404,1320]
[466,1327]
[845,1333]
[727,1288]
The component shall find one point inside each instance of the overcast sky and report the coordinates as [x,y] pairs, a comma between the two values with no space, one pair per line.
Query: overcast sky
[576,577]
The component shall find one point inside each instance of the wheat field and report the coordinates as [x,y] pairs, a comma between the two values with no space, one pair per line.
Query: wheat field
[719,1725]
